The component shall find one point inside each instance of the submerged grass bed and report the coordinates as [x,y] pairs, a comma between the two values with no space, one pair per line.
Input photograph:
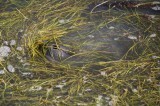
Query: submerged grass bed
[132,79]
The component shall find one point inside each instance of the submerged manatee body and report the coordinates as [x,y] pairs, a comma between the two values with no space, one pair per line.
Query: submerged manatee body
[93,44]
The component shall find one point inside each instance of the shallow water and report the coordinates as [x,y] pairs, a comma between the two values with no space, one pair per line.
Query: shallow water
[106,36]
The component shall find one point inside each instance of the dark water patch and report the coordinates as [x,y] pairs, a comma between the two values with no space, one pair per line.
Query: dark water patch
[11,5]
[133,6]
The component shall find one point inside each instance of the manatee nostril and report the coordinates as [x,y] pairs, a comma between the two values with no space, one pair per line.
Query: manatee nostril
[54,46]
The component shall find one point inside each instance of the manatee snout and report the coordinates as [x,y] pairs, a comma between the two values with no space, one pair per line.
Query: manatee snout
[57,53]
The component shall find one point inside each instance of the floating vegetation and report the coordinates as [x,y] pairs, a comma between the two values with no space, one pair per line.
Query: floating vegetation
[79,52]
